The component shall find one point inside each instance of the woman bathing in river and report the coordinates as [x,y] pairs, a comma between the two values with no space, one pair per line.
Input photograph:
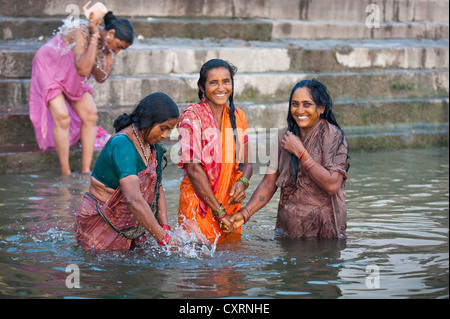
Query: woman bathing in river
[62,106]
[309,165]
[126,203]
[214,152]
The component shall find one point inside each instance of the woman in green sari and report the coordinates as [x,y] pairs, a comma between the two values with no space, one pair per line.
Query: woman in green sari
[126,203]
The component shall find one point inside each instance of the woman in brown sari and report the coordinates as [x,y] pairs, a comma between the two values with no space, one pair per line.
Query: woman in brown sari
[309,164]
[126,204]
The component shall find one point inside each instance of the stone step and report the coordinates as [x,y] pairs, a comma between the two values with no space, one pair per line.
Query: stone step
[358,114]
[350,10]
[181,56]
[26,159]
[251,29]
[294,29]
[16,128]
[121,91]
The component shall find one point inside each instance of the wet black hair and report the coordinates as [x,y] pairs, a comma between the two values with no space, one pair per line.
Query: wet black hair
[320,96]
[124,29]
[154,109]
[218,63]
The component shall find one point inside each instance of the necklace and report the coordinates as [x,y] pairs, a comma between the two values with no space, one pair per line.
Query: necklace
[140,144]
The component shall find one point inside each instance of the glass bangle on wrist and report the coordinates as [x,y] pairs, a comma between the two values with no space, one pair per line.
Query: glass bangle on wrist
[300,157]
[219,212]
[166,241]
[244,181]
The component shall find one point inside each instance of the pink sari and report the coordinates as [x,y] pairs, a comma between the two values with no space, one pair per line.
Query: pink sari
[111,225]
[53,73]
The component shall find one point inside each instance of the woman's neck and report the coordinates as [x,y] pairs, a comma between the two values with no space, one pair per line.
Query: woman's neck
[217,111]
[306,131]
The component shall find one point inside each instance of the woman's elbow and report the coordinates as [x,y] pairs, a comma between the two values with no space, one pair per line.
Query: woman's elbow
[131,200]
[83,71]
[193,169]
[334,187]
[331,190]
[100,79]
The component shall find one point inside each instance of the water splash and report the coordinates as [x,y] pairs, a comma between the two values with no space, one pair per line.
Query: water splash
[192,242]
[66,31]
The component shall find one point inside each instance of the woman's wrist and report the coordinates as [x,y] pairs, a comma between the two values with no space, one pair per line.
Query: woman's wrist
[245,214]
[245,181]
[220,212]
[301,155]
[166,241]
[308,163]
[94,38]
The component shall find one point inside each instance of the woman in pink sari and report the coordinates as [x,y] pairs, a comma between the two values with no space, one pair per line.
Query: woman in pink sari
[62,107]
[126,204]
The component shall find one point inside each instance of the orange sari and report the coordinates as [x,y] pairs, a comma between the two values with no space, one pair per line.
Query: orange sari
[202,142]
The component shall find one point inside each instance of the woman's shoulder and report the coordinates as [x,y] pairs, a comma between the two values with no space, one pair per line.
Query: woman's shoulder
[240,113]
[119,140]
[194,113]
[192,109]
[195,107]
[331,129]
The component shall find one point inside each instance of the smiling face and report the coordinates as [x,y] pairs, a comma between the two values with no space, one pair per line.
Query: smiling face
[304,111]
[159,132]
[218,86]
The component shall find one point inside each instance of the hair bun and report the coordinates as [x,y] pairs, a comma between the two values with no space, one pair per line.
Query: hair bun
[109,17]
[121,122]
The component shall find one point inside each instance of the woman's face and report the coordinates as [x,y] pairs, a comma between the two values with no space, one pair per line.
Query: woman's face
[303,109]
[159,132]
[218,86]
[115,44]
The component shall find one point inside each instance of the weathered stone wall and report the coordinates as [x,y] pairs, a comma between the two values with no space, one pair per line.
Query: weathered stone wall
[386,66]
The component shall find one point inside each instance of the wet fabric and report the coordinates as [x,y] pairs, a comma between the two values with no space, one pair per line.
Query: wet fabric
[202,142]
[53,73]
[306,210]
[118,159]
[98,231]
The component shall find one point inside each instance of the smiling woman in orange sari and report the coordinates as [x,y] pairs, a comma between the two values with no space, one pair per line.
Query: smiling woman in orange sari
[214,152]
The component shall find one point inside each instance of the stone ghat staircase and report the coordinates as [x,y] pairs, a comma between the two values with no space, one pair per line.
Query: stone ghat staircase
[389,83]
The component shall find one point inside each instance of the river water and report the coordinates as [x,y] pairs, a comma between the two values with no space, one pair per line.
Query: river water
[397,245]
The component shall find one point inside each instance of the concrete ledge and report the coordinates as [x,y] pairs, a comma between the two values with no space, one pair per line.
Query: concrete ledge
[293,29]
[390,10]
[35,161]
[184,56]
[257,29]
[119,91]
[412,137]
[27,162]
[16,129]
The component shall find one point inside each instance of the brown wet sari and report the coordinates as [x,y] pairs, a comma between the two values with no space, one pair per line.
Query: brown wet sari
[306,210]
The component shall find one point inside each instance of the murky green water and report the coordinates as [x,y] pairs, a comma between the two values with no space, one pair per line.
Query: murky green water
[398,214]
